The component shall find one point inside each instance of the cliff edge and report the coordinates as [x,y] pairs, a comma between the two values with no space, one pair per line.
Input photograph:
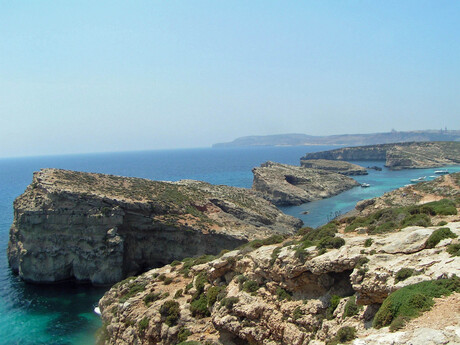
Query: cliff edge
[102,228]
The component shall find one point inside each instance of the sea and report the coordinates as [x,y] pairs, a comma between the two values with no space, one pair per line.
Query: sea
[63,314]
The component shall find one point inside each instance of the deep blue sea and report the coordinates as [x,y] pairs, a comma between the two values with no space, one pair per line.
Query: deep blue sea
[63,314]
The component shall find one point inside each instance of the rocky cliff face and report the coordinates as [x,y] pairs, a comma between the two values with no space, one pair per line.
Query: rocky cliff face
[397,156]
[290,185]
[102,228]
[272,295]
[340,167]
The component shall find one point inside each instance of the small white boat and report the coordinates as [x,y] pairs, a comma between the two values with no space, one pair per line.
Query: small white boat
[420,179]
[365,185]
[441,172]
[97,311]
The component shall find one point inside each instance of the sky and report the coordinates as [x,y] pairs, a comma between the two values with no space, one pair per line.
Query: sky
[107,76]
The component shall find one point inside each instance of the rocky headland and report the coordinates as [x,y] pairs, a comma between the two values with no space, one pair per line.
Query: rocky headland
[103,228]
[285,184]
[397,156]
[343,282]
[341,167]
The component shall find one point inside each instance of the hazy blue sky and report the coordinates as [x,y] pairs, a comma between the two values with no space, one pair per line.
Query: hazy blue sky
[92,76]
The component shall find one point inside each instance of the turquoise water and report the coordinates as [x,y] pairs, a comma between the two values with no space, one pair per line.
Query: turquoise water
[319,212]
[62,314]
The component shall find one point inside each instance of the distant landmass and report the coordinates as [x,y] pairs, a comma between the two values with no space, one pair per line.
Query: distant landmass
[343,139]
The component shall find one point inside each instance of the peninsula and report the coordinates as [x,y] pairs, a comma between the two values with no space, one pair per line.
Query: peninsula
[103,228]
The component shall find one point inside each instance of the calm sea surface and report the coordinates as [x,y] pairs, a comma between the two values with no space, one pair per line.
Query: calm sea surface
[62,314]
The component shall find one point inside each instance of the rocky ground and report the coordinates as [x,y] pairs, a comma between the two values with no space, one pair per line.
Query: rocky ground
[102,228]
[285,184]
[341,167]
[323,286]
[398,156]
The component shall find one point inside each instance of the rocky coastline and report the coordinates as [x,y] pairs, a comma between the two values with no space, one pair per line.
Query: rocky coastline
[284,184]
[102,228]
[413,155]
[328,285]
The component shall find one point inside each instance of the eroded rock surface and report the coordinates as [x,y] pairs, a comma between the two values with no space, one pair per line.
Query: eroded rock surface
[285,184]
[270,295]
[341,167]
[102,228]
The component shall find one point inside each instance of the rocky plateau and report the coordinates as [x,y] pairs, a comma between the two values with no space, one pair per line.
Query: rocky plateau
[284,184]
[341,167]
[103,228]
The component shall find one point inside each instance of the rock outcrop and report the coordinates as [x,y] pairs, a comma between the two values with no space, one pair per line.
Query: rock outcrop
[340,167]
[285,184]
[397,156]
[271,295]
[102,228]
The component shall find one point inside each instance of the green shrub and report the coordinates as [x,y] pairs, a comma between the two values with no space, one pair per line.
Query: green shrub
[151,297]
[190,343]
[274,239]
[199,306]
[175,263]
[250,286]
[171,312]
[167,281]
[333,303]
[368,242]
[274,255]
[213,294]
[362,261]
[143,324]
[183,334]
[454,249]
[229,302]
[403,274]
[346,334]
[437,236]
[283,294]
[330,242]
[297,314]
[441,223]
[409,301]
[351,308]
[178,293]
[190,262]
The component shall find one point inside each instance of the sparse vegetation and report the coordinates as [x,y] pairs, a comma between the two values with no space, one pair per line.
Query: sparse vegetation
[409,301]
[143,324]
[344,334]
[183,334]
[134,289]
[391,219]
[368,242]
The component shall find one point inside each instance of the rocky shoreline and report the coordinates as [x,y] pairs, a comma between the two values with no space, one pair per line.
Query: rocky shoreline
[284,184]
[103,228]
[414,155]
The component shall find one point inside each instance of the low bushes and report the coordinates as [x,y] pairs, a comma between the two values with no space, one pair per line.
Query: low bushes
[171,312]
[437,236]
[403,274]
[409,301]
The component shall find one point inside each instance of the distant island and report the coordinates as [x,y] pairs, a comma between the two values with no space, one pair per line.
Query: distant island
[343,139]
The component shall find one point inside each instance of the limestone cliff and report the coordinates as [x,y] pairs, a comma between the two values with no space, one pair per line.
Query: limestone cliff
[285,184]
[271,295]
[340,167]
[102,228]
[397,156]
